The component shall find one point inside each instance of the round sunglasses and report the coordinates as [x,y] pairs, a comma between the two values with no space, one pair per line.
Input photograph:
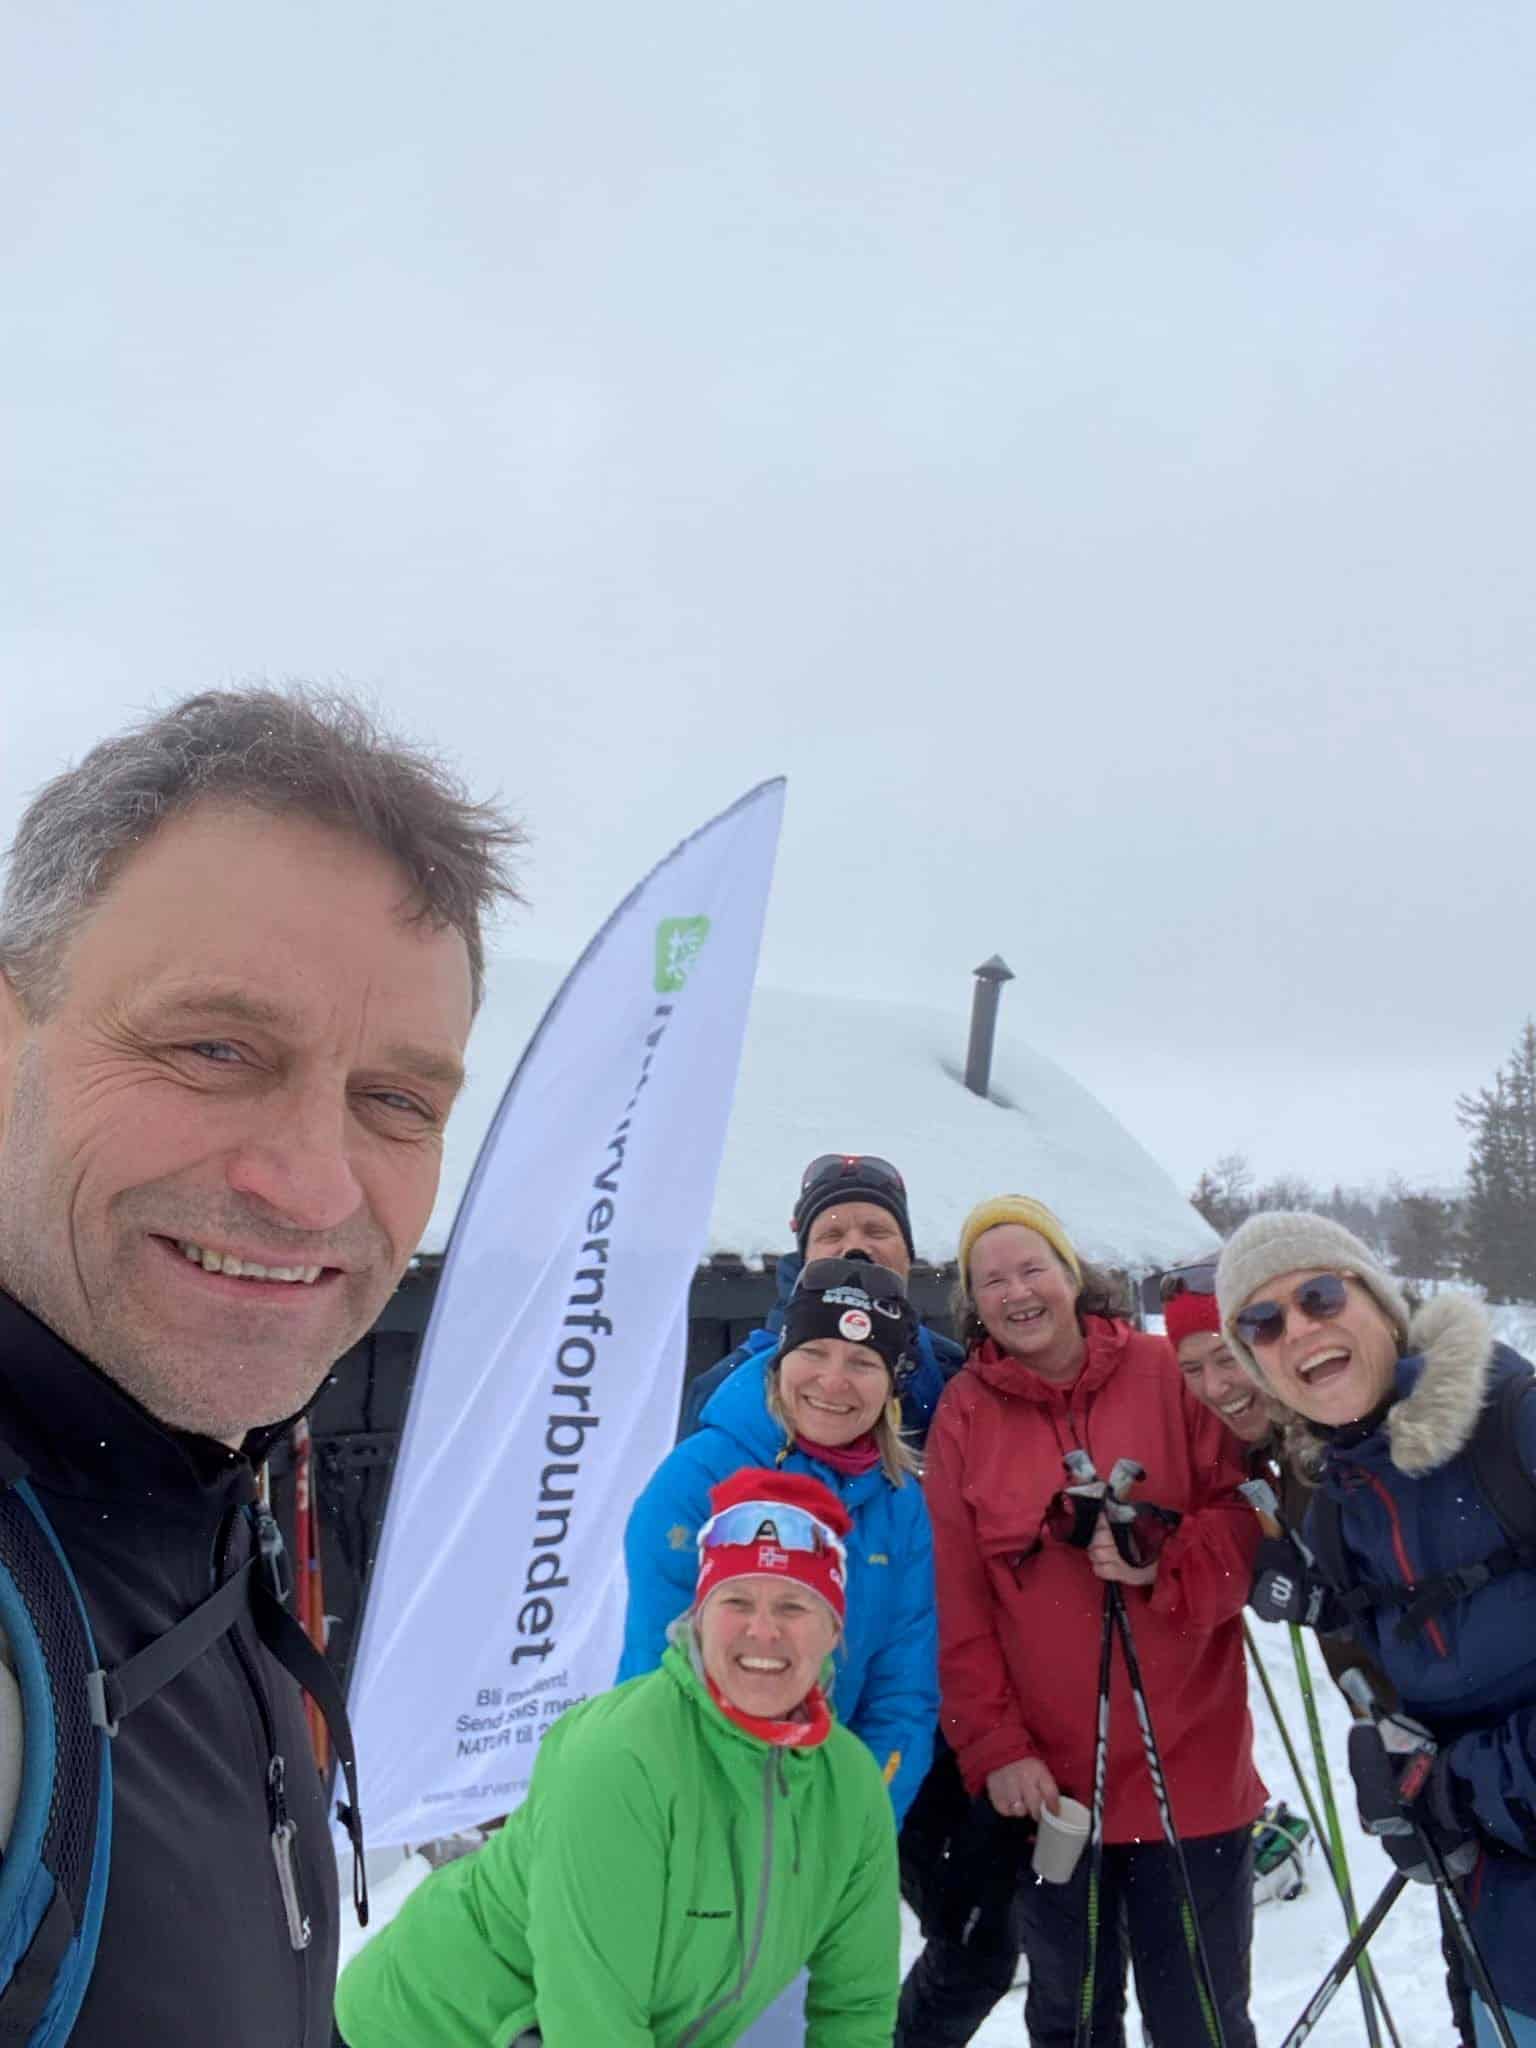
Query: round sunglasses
[1320,1299]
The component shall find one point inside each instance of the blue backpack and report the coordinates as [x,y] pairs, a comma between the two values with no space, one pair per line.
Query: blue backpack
[54,1866]
[53,1878]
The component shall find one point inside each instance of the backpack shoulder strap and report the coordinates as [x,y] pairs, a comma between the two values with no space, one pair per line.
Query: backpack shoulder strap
[116,1693]
[1506,1480]
[1324,1538]
[1352,1598]
[1509,1488]
[1506,1483]
[53,1876]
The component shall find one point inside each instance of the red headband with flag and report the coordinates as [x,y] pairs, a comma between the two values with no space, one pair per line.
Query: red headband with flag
[775,1525]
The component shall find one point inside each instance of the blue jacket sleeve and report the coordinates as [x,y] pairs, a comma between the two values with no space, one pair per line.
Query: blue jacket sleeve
[660,1557]
[898,1708]
[1498,1767]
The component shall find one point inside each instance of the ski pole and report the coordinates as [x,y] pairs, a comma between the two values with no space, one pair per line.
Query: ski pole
[1369,1988]
[1359,1689]
[1085,1481]
[1471,1952]
[1124,1474]
[1302,1784]
[1083,2033]
[1336,1849]
[1320,1756]
[1194,1940]
[1262,1498]
[1351,1953]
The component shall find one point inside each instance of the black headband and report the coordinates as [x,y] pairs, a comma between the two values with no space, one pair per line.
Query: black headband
[858,1301]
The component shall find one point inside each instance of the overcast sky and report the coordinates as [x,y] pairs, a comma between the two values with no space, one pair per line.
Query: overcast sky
[1088,449]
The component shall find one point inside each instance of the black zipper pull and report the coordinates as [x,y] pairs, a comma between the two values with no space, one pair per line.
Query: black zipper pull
[283,1831]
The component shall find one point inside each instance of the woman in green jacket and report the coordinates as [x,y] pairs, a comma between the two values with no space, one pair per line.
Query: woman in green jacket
[690,1841]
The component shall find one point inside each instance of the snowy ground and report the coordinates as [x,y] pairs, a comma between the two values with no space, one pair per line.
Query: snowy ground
[1293,1942]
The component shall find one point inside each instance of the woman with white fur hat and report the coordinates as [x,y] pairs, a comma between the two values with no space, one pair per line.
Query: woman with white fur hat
[1411,1553]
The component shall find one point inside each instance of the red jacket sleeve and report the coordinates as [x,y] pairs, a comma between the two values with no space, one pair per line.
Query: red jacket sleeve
[979,1714]
[1206,1571]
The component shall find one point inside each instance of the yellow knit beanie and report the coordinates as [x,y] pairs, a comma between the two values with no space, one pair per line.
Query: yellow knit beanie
[1016,1209]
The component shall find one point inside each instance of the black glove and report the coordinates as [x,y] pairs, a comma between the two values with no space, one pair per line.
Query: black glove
[1286,1587]
[1405,1789]
[1141,1530]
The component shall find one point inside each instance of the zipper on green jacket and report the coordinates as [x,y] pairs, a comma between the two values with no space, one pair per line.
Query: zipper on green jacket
[765,1884]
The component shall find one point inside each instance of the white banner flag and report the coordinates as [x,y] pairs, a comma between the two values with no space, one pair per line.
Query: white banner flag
[548,1384]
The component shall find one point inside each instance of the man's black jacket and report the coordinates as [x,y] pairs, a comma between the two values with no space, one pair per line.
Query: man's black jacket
[195,1942]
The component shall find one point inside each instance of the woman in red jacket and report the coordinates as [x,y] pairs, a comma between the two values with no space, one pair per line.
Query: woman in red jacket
[1052,1370]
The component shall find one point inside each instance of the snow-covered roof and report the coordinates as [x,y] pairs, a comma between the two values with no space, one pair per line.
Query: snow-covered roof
[825,1073]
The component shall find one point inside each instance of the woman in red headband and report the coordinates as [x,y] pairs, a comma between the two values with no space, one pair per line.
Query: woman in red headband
[691,1842]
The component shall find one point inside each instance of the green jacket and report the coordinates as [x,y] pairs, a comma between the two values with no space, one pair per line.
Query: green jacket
[664,1880]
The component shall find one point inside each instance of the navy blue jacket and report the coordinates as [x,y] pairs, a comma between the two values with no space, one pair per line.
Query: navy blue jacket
[939,1359]
[886,1686]
[1469,1677]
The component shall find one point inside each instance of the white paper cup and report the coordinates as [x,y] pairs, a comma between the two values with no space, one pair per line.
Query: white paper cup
[1061,1839]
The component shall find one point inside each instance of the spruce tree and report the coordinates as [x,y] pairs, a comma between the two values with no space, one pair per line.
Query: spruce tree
[1425,1236]
[1500,1217]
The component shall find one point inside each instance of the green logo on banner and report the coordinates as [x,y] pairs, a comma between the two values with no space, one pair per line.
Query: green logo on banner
[679,942]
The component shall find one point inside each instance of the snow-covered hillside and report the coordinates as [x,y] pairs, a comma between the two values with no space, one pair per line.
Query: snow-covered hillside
[1293,1942]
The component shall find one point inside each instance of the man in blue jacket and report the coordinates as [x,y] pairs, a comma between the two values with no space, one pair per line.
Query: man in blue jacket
[848,1202]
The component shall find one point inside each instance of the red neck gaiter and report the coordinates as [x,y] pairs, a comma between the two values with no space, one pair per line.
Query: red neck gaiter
[813,1728]
[862,1455]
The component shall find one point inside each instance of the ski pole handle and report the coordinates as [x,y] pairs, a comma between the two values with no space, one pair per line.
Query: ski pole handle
[1123,1475]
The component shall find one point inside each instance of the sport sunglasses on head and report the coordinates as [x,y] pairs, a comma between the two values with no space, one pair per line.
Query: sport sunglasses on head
[768,1521]
[862,1169]
[1319,1299]
[878,1282]
[1196,1279]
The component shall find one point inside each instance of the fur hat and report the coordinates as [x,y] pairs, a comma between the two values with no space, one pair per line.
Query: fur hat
[1294,1241]
[1023,1209]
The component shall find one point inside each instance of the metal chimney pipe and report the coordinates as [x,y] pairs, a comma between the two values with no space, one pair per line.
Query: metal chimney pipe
[990,976]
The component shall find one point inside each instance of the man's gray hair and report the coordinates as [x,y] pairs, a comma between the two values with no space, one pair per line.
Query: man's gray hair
[316,753]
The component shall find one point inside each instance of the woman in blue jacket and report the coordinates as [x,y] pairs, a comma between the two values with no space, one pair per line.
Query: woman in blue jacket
[825,1402]
[1417,1561]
